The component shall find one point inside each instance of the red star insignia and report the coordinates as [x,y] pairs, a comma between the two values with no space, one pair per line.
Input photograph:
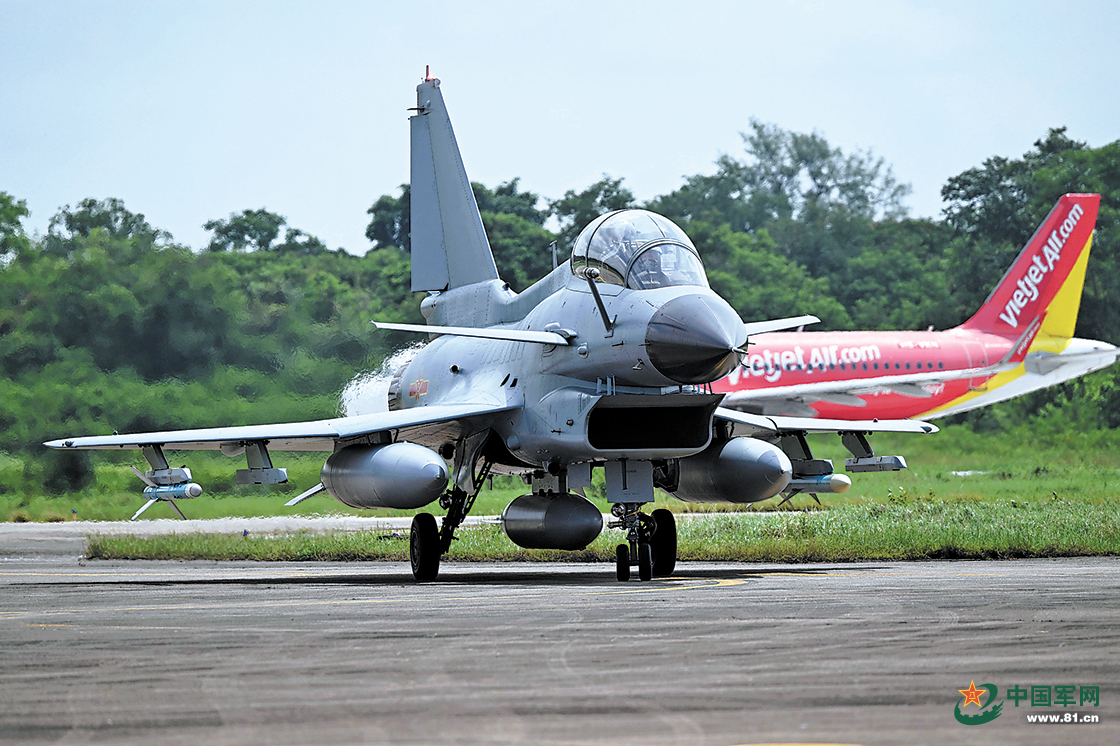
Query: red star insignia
[972,694]
[418,388]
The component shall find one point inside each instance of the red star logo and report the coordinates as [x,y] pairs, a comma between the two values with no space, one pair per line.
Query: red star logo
[417,388]
[972,694]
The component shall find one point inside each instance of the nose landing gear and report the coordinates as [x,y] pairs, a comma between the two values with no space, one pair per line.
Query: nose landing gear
[651,542]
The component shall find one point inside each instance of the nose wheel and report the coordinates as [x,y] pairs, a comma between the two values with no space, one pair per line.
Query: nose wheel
[622,562]
[652,542]
[644,561]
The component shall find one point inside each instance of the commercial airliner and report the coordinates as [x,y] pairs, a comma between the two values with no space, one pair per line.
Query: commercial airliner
[1020,340]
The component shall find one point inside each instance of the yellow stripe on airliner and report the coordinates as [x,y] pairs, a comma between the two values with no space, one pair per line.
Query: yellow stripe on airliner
[1061,314]
[1000,379]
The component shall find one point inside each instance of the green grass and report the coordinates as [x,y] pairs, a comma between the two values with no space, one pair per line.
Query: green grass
[902,529]
[1036,492]
[1027,465]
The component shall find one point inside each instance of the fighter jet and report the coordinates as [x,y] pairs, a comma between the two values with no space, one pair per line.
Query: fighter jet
[605,363]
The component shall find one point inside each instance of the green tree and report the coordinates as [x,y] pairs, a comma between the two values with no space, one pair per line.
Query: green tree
[996,207]
[521,248]
[12,237]
[898,281]
[1005,200]
[787,175]
[994,210]
[507,199]
[390,217]
[126,231]
[576,209]
[722,197]
[248,230]
[390,221]
[758,282]
[297,242]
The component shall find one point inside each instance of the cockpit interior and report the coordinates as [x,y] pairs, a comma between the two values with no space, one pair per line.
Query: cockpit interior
[638,249]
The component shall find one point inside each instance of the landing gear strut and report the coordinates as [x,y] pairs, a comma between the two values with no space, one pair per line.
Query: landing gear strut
[427,542]
[651,541]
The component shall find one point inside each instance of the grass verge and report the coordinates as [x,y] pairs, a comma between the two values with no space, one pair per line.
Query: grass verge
[915,530]
[957,464]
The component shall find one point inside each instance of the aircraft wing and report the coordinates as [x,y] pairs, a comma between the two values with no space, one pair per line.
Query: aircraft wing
[428,425]
[796,398]
[512,335]
[757,425]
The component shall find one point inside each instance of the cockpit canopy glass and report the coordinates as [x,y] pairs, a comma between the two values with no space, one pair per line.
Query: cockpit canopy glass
[638,249]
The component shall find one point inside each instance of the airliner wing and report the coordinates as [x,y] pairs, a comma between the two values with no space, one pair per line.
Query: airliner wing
[755,425]
[795,399]
[430,425]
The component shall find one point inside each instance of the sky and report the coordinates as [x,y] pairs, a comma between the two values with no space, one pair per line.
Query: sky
[189,112]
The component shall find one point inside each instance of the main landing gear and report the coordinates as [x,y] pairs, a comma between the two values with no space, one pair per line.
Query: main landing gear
[651,542]
[428,542]
[424,547]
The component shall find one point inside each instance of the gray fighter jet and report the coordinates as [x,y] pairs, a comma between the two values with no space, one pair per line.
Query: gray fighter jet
[605,363]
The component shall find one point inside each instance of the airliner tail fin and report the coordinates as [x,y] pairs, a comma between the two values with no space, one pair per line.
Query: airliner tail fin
[1041,293]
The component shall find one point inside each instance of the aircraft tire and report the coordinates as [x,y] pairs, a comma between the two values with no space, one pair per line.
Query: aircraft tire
[645,561]
[664,543]
[622,562]
[424,547]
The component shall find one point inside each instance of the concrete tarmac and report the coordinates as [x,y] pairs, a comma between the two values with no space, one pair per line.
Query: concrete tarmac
[721,654]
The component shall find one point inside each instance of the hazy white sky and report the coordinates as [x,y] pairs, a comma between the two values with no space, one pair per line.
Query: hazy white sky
[191,111]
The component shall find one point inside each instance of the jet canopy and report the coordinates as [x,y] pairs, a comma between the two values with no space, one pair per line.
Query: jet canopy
[638,249]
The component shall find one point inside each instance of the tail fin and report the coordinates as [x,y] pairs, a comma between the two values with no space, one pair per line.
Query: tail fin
[449,246]
[1042,290]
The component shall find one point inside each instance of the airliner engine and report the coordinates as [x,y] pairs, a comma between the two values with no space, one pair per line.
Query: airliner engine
[552,521]
[740,470]
[398,475]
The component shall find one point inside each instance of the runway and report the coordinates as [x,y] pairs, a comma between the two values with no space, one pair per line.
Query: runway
[244,653]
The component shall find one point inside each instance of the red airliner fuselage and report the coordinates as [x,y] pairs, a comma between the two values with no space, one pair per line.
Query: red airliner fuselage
[779,360]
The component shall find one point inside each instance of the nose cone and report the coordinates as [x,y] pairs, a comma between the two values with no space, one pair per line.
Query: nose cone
[692,339]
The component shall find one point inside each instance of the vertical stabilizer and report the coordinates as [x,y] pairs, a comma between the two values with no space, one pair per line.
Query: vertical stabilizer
[449,246]
[1052,261]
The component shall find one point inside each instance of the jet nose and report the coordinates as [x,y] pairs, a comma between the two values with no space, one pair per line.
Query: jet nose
[693,339]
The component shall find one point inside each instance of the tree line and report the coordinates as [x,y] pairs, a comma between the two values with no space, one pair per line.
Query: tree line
[107,323]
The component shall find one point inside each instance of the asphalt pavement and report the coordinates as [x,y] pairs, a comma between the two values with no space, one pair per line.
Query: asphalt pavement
[335,653]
